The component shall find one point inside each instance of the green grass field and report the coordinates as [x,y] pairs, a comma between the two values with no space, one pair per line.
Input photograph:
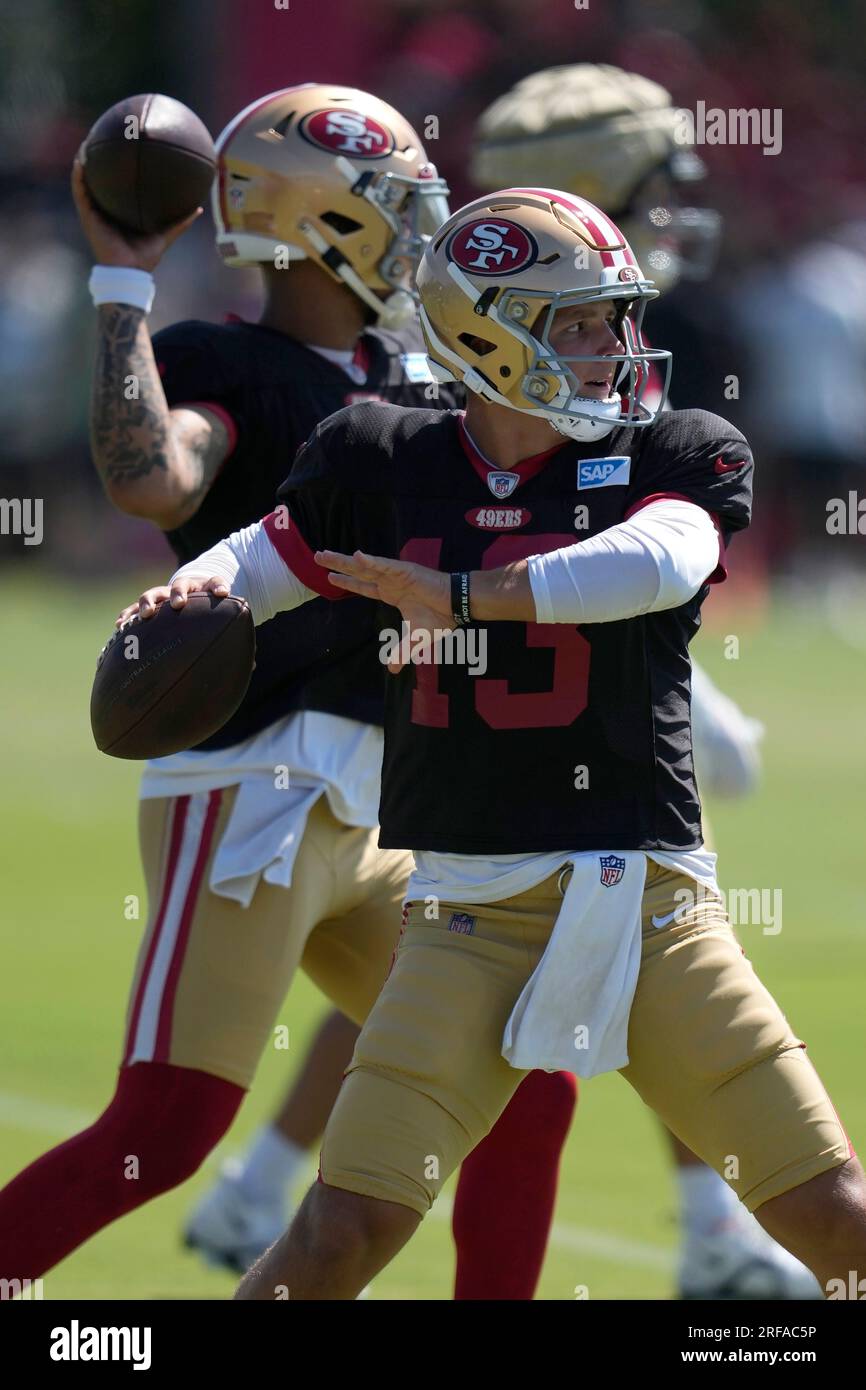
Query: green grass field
[69,861]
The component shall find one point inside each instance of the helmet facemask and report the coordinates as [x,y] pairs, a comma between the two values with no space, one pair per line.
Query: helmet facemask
[549,387]
[673,241]
[411,209]
[553,386]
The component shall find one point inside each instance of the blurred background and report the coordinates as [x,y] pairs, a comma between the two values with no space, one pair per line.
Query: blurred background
[783,315]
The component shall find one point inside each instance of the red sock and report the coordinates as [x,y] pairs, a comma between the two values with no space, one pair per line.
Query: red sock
[167,1118]
[503,1208]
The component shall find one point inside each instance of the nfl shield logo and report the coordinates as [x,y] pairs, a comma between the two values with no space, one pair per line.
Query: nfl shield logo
[502,484]
[462,922]
[612,869]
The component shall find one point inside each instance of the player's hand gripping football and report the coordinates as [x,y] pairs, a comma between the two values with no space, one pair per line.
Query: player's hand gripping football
[109,243]
[176,593]
[422,595]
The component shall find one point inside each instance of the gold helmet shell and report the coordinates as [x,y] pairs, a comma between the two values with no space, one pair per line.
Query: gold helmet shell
[334,175]
[490,283]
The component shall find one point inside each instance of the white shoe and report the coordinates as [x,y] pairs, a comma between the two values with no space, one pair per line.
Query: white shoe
[740,1261]
[228,1229]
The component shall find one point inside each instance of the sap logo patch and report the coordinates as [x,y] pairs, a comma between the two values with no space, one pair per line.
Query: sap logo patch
[610,472]
[462,922]
[498,518]
[416,367]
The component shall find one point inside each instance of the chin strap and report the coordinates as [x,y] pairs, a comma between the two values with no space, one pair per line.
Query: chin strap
[583,431]
[397,311]
[394,312]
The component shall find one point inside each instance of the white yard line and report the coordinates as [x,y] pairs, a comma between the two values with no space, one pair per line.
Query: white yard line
[42,1117]
[581,1240]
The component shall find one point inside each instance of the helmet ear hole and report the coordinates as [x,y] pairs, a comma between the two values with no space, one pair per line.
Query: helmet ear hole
[342,225]
[480,346]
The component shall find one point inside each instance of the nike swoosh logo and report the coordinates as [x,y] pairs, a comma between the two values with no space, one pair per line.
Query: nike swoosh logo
[663,921]
[722,467]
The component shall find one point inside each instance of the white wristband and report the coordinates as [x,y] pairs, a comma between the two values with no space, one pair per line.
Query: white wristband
[122,284]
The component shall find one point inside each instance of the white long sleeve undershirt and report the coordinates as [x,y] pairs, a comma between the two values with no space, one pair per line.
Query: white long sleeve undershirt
[656,560]
[252,569]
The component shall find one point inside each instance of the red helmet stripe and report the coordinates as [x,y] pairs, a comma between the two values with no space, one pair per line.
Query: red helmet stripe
[592,216]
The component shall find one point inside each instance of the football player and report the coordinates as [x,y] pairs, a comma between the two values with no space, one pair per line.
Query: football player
[612,136]
[607,135]
[259,846]
[550,803]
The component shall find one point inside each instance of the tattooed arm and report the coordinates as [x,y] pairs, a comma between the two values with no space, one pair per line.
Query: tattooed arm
[154,462]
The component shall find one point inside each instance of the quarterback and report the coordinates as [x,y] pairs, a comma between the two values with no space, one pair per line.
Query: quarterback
[248,878]
[612,136]
[550,805]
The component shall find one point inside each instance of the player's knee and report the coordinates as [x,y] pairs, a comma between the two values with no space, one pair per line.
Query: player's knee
[827,1211]
[841,1207]
[165,1120]
[349,1227]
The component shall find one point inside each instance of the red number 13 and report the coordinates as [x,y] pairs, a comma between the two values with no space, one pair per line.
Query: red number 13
[498,706]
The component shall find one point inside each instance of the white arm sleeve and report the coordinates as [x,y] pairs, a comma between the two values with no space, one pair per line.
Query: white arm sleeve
[726,741]
[658,559]
[253,570]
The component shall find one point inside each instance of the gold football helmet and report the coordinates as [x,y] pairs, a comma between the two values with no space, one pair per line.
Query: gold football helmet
[491,281]
[333,175]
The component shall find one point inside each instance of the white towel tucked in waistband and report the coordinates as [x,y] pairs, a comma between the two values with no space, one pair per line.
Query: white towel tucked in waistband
[314,753]
[262,838]
[573,1012]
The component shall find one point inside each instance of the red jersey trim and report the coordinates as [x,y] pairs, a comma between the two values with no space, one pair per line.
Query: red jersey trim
[221,413]
[526,468]
[294,552]
[720,573]
[361,357]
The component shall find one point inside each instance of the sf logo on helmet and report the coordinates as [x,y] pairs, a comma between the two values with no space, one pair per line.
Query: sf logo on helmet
[348,132]
[491,248]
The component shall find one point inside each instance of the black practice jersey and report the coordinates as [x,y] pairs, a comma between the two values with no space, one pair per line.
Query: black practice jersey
[271,391]
[574,737]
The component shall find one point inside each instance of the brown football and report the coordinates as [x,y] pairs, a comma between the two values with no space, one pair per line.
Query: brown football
[166,684]
[148,162]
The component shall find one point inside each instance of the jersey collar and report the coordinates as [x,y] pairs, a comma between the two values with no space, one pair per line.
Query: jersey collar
[524,470]
[363,359]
